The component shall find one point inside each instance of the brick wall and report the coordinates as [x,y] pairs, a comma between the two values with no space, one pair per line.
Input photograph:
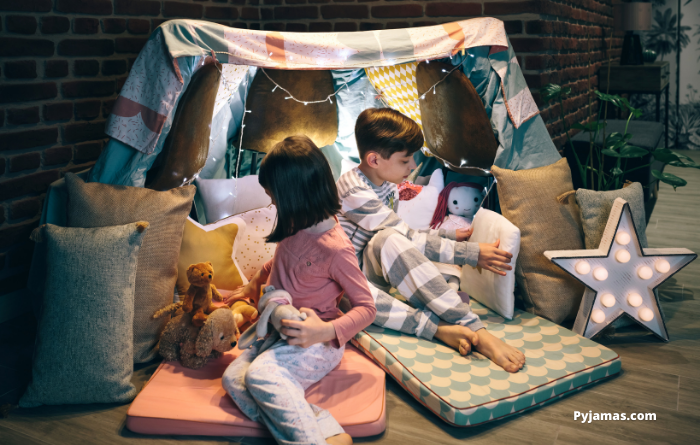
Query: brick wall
[64,61]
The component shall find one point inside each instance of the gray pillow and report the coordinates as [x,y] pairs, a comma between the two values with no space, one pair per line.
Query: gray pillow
[595,209]
[84,350]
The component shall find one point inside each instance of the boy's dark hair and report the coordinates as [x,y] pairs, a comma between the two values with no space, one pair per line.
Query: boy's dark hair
[386,131]
[297,175]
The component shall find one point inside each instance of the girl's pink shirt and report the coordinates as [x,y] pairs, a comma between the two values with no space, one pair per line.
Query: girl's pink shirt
[316,269]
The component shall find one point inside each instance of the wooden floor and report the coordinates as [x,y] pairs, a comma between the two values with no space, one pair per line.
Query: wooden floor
[661,378]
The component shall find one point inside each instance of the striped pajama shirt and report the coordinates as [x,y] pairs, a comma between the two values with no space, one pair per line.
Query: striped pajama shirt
[393,255]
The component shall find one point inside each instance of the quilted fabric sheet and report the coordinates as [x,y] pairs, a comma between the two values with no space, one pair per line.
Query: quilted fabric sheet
[467,391]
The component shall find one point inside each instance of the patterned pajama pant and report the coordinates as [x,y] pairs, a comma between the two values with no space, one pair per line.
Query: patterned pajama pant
[394,260]
[269,388]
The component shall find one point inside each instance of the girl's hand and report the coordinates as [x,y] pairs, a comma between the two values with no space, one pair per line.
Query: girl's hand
[494,259]
[250,291]
[308,332]
[464,234]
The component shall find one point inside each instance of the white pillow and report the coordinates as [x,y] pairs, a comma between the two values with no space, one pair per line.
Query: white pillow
[225,197]
[418,212]
[253,252]
[494,291]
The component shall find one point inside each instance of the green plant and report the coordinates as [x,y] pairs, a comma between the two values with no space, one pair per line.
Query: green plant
[615,145]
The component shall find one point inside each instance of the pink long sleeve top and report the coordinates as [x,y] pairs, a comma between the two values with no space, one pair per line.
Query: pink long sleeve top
[316,269]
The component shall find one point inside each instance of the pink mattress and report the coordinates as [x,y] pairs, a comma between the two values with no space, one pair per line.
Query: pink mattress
[181,401]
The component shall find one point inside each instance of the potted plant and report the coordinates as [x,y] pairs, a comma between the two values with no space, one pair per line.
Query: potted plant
[611,158]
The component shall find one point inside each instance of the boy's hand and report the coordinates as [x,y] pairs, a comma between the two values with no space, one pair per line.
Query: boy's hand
[494,259]
[250,291]
[308,332]
[464,234]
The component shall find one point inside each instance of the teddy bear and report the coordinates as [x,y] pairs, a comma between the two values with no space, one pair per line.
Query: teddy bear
[194,345]
[198,300]
[243,313]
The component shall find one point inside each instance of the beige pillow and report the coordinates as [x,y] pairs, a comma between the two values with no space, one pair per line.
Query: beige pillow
[100,205]
[529,201]
[253,252]
[216,243]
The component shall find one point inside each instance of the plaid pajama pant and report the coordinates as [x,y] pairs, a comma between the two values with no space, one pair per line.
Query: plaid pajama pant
[391,259]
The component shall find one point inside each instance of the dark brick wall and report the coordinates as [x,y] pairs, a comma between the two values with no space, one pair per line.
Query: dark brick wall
[62,63]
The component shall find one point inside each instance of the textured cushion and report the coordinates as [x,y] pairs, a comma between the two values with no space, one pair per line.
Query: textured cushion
[222,198]
[529,200]
[493,291]
[83,351]
[595,209]
[98,205]
[217,243]
[253,251]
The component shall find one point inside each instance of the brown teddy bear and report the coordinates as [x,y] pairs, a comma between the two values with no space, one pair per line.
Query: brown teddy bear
[243,313]
[194,345]
[199,296]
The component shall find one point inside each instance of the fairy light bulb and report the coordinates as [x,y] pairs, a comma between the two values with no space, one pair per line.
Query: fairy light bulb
[622,238]
[597,316]
[634,299]
[600,274]
[662,266]
[645,272]
[622,256]
[608,300]
[582,267]
[646,314]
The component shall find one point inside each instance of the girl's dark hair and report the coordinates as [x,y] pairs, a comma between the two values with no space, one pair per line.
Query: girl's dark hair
[386,131]
[297,175]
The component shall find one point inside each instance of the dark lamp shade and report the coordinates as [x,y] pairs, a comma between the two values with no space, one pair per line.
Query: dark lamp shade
[632,16]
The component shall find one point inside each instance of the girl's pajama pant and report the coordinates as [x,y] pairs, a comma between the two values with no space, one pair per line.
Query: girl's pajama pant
[391,259]
[270,387]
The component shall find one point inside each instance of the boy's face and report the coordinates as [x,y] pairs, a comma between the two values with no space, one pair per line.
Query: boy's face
[396,168]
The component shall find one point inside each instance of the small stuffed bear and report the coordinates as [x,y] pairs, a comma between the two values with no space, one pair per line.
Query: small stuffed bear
[276,305]
[191,345]
[243,313]
[199,296]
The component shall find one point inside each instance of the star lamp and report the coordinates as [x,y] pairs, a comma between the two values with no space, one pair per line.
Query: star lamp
[620,276]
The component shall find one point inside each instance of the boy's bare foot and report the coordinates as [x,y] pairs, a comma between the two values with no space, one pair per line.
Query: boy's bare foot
[340,439]
[505,356]
[459,338]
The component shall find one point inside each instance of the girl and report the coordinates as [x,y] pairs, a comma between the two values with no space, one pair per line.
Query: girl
[315,262]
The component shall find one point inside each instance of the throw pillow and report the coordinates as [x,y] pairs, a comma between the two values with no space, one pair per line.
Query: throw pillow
[222,198]
[216,243]
[254,251]
[83,350]
[418,212]
[98,205]
[529,200]
[494,291]
[595,209]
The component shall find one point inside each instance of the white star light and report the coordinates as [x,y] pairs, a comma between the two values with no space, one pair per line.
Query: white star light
[621,277]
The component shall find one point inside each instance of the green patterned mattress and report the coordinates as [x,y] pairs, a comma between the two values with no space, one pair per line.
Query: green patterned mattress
[467,391]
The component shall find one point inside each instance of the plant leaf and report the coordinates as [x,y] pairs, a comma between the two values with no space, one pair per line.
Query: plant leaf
[665,155]
[631,151]
[589,127]
[613,153]
[672,180]
[616,171]
[684,161]
[551,91]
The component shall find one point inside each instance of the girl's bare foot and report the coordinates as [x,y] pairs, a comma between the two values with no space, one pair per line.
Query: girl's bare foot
[340,439]
[459,338]
[505,356]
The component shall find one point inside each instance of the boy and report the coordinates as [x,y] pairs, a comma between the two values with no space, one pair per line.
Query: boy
[392,254]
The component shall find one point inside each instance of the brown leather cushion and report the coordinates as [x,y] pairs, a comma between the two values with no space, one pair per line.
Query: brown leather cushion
[529,201]
[456,126]
[273,117]
[99,205]
[187,146]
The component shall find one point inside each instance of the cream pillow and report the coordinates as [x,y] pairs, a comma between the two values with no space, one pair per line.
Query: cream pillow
[217,243]
[418,212]
[494,291]
[254,251]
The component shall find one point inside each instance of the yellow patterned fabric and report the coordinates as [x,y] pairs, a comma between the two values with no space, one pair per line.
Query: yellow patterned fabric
[217,243]
[398,87]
